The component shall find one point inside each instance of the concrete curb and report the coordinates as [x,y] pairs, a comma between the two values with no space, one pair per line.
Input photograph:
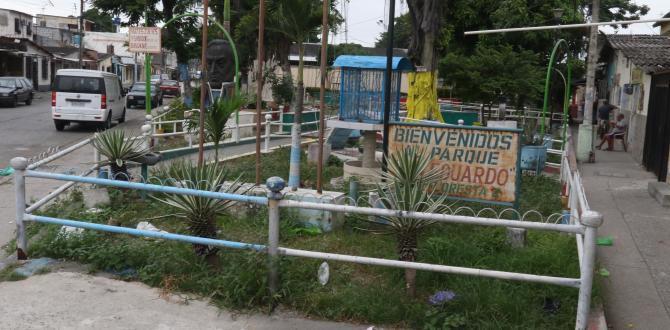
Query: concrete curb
[597,319]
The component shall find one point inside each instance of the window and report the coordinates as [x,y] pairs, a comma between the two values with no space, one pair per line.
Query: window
[3,20]
[29,29]
[72,84]
[45,69]
[17,25]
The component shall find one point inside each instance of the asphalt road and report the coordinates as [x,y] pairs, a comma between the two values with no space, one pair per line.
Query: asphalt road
[28,130]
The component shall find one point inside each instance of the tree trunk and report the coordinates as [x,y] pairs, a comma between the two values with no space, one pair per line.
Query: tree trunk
[407,248]
[205,228]
[119,172]
[294,169]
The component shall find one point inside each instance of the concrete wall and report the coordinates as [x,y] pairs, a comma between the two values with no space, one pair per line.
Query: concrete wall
[37,56]
[7,27]
[635,106]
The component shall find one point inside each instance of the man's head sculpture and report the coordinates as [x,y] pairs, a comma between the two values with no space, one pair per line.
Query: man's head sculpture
[220,63]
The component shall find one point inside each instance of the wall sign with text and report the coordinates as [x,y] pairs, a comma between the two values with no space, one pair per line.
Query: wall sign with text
[480,163]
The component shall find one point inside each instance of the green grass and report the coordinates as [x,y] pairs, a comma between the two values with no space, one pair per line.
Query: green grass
[357,293]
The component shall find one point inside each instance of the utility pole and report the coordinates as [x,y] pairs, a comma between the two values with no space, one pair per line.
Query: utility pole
[259,87]
[387,81]
[81,34]
[203,85]
[585,138]
[322,95]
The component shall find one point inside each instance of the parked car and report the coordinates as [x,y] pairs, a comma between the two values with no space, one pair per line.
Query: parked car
[156,79]
[170,87]
[79,95]
[16,89]
[137,95]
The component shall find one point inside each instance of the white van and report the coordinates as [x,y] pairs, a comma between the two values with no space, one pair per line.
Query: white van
[87,96]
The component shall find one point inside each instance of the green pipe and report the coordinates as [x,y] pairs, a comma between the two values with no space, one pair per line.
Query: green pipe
[547,82]
[566,102]
[232,45]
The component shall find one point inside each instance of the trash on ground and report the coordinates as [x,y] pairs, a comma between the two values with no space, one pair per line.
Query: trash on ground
[605,241]
[67,231]
[604,272]
[33,266]
[7,171]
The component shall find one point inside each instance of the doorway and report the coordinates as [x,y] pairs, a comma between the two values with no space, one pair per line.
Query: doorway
[657,137]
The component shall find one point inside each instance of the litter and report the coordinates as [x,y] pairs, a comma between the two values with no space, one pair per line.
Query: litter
[604,272]
[67,231]
[605,241]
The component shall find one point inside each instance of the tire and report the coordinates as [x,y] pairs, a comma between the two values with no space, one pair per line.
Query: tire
[108,123]
[29,100]
[123,116]
[60,125]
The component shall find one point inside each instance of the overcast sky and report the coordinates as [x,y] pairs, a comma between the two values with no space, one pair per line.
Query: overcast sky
[365,18]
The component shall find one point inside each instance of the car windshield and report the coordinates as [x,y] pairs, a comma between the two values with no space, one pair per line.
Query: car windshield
[156,77]
[7,82]
[142,88]
[170,83]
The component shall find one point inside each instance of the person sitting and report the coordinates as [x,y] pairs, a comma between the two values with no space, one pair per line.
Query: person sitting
[618,129]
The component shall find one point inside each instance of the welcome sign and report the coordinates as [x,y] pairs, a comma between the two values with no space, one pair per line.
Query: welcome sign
[479,163]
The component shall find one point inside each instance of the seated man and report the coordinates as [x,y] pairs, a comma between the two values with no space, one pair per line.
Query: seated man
[619,129]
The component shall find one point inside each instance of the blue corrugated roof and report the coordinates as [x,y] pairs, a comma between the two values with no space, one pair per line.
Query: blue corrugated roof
[372,62]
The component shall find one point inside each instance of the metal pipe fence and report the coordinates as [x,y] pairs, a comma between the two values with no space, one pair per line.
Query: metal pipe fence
[583,224]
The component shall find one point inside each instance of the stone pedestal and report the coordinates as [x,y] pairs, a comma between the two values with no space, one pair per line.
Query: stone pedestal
[369,147]
[313,153]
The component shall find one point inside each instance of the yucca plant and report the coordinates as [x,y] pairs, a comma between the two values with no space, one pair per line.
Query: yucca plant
[217,116]
[200,212]
[119,151]
[409,186]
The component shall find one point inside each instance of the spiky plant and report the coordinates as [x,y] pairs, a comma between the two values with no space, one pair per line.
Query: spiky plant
[409,186]
[217,116]
[200,212]
[119,151]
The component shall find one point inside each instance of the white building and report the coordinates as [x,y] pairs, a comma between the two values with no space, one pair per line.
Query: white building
[19,55]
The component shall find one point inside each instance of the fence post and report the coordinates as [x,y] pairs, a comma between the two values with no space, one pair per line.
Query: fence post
[19,165]
[591,220]
[148,120]
[275,185]
[96,157]
[147,138]
[268,129]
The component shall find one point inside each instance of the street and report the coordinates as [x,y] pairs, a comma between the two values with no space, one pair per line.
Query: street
[28,130]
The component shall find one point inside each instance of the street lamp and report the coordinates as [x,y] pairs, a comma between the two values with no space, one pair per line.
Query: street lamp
[558,13]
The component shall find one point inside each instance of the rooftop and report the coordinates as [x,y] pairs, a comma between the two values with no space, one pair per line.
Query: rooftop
[649,52]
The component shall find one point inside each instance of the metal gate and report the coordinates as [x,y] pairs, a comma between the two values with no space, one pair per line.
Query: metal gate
[657,138]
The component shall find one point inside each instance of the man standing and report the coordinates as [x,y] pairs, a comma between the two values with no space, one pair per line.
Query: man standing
[604,117]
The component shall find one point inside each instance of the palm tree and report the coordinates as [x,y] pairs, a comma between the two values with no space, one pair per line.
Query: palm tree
[216,118]
[410,186]
[296,20]
[200,212]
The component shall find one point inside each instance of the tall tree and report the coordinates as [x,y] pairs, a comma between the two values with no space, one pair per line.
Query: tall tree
[402,32]
[426,17]
[102,22]
[296,20]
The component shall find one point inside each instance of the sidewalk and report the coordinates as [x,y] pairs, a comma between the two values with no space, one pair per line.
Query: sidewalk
[637,291]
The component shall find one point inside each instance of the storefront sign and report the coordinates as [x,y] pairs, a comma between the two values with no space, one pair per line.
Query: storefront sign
[479,163]
[144,39]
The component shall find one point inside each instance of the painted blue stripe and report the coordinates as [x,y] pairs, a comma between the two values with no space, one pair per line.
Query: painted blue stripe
[144,233]
[150,187]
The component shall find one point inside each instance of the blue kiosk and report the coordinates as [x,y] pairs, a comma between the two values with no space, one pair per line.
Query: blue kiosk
[362,80]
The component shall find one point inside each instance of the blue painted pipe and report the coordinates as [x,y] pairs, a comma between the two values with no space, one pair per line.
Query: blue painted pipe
[150,187]
[144,233]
